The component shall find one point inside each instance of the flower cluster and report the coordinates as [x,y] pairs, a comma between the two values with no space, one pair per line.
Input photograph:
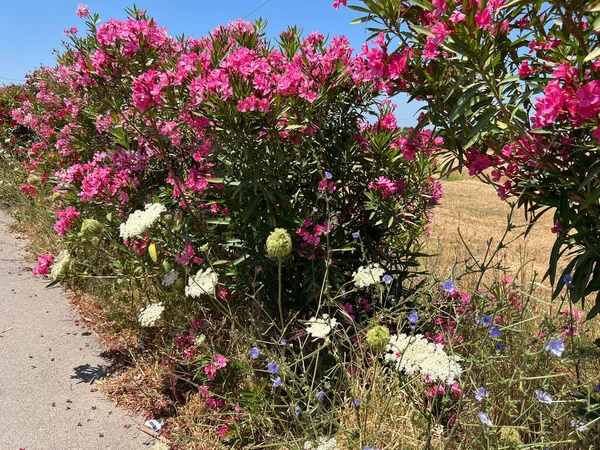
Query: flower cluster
[368,275]
[151,314]
[323,443]
[414,354]
[140,221]
[203,283]
[320,327]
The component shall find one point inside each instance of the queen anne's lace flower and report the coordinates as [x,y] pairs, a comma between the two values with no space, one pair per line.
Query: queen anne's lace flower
[151,314]
[141,220]
[323,443]
[414,354]
[368,275]
[61,266]
[203,283]
[319,328]
[170,278]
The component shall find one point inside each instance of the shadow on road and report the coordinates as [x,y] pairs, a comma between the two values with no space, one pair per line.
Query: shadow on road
[87,373]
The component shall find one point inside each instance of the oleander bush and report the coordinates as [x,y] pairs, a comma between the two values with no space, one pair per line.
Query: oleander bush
[513,88]
[250,219]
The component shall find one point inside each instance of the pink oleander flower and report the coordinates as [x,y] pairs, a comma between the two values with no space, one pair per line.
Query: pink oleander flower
[337,3]
[440,7]
[525,70]
[458,17]
[483,19]
[66,220]
[557,228]
[45,261]
[589,99]
[220,361]
[82,10]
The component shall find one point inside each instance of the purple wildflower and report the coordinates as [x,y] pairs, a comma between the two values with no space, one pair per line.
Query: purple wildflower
[555,347]
[273,368]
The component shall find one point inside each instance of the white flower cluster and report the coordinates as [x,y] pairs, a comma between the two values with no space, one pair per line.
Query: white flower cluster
[204,282]
[368,275]
[150,314]
[61,266]
[141,220]
[170,278]
[323,443]
[414,354]
[319,328]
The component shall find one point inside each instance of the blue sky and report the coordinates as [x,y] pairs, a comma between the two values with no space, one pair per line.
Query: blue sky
[30,30]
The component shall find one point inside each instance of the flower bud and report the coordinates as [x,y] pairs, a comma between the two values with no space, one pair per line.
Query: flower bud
[33,179]
[279,243]
[378,337]
[91,228]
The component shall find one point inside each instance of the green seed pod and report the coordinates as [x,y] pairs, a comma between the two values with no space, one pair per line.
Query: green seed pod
[33,179]
[279,243]
[91,228]
[378,337]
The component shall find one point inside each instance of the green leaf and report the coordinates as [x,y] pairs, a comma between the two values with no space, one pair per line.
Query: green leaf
[220,262]
[593,313]
[221,221]
[592,55]
[422,30]
[241,259]
[593,198]
[360,20]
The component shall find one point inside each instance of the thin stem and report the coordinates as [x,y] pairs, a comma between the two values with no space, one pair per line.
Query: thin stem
[279,293]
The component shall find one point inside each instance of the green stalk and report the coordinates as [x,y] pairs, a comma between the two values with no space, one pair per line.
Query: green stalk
[279,294]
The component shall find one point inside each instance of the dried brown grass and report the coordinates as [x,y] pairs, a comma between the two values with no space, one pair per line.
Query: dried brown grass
[473,210]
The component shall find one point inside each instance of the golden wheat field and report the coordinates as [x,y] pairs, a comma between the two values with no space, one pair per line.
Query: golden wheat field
[473,210]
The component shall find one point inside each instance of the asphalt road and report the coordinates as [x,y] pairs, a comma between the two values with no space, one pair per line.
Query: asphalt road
[48,364]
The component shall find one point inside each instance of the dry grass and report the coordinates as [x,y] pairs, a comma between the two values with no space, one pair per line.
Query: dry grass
[472,210]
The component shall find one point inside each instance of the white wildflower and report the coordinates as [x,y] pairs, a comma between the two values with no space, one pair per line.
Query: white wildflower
[204,282]
[319,328]
[170,278]
[150,314]
[414,354]
[140,221]
[61,266]
[323,443]
[368,275]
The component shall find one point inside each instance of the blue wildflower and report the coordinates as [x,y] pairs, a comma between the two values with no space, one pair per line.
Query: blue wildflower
[568,280]
[273,368]
[254,353]
[320,395]
[277,382]
[555,347]
[328,175]
[543,397]
[481,393]
[282,341]
[356,403]
[499,346]
[486,320]
[484,418]
[387,279]
[298,410]
[449,286]
[355,235]
[413,317]
[579,425]
[495,332]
